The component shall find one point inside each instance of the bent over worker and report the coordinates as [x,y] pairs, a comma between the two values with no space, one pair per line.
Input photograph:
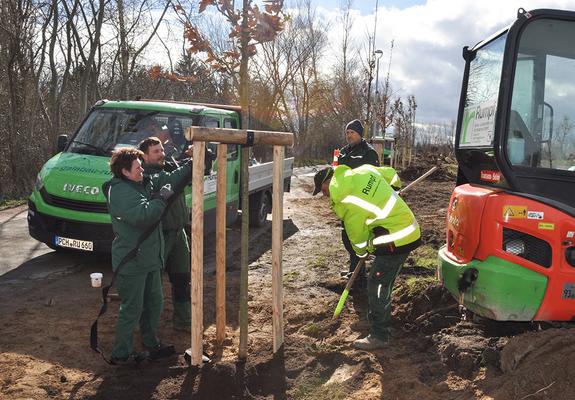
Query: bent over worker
[356,153]
[379,222]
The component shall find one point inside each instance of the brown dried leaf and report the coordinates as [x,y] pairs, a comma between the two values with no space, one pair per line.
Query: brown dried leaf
[204,4]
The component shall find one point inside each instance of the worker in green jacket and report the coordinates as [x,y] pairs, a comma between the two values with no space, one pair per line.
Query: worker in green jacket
[356,153]
[135,207]
[177,249]
[134,211]
[378,222]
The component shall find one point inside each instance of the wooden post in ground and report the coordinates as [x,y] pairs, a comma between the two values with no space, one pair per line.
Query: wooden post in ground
[243,137]
[243,350]
[197,252]
[277,240]
[221,244]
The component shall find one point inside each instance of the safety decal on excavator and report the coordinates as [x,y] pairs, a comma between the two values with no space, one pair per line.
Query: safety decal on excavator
[568,291]
[546,226]
[535,215]
[514,212]
[490,176]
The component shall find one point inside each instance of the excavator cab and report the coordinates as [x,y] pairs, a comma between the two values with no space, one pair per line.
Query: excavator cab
[510,252]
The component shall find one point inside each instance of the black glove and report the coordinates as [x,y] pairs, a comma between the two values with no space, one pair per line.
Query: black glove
[165,192]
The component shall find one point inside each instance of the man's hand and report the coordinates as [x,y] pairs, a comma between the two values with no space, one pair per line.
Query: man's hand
[166,192]
[190,150]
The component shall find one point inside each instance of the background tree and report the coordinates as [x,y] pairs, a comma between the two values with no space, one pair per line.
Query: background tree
[249,26]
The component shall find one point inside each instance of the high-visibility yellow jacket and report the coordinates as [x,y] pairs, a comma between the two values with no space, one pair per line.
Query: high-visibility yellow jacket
[376,219]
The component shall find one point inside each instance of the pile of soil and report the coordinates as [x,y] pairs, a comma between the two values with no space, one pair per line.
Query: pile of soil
[447,168]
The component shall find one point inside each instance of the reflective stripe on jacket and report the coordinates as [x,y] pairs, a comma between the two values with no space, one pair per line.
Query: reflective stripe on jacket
[376,219]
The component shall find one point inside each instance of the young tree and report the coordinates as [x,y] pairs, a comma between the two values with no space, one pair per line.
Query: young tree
[249,26]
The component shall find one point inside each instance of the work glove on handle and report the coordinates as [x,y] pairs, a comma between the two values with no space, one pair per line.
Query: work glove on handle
[165,193]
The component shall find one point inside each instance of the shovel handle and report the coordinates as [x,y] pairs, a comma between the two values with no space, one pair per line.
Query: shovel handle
[345,293]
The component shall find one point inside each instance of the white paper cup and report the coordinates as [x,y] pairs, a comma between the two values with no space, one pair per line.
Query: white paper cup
[96,278]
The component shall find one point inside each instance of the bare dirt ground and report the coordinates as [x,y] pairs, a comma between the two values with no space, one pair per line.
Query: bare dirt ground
[44,329]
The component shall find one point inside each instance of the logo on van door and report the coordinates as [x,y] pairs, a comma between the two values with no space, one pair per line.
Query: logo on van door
[90,190]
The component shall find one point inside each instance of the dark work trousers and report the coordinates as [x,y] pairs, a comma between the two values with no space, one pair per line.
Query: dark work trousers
[379,286]
[142,301]
[177,256]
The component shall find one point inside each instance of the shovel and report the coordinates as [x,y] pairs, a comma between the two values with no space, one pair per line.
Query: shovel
[345,293]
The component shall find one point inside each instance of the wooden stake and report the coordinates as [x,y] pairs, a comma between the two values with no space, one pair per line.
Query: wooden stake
[197,252]
[277,241]
[238,136]
[243,350]
[221,244]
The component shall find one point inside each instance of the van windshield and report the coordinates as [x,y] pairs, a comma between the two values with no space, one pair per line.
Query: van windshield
[106,130]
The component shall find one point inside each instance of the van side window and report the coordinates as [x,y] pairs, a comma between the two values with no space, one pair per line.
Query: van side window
[230,123]
[210,122]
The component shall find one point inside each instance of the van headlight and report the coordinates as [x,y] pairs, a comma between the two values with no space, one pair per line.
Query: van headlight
[39,183]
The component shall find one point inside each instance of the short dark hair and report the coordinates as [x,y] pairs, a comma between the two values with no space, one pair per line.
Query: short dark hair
[148,142]
[123,159]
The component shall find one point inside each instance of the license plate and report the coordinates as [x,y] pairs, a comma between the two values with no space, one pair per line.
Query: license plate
[74,243]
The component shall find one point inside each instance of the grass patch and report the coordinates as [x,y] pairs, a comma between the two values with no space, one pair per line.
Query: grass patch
[311,329]
[414,285]
[11,203]
[291,276]
[424,257]
[315,388]
[318,263]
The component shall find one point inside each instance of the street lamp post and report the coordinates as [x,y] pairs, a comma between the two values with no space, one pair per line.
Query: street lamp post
[378,54]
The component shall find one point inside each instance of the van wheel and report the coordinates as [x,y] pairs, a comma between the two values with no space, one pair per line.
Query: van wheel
[260,207]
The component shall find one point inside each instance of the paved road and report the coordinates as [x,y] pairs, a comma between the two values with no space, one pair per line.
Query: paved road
[22,257]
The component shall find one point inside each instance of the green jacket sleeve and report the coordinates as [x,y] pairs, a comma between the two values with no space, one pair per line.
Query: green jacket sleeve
[174,178]
[391,176]
[134,208]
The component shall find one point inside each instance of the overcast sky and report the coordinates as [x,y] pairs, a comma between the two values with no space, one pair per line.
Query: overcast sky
[429,36]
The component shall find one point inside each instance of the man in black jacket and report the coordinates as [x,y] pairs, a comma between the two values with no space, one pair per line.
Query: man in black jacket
[357,152]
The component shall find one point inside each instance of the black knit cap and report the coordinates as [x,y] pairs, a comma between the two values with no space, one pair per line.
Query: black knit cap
[355,125]
[320,177]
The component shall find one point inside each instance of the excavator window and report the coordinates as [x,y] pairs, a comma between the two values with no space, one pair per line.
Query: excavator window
[541,129]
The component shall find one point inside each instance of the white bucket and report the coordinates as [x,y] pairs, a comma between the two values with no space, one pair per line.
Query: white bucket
[96,278]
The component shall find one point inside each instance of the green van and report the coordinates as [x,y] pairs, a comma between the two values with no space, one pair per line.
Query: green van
[67,209]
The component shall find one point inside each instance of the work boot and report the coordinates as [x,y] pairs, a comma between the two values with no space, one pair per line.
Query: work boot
[188,357]
[132,359]
[160,351]
[370,343]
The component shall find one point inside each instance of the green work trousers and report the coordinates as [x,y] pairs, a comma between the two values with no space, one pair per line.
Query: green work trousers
[379,286]
[177,256]
[142,301]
